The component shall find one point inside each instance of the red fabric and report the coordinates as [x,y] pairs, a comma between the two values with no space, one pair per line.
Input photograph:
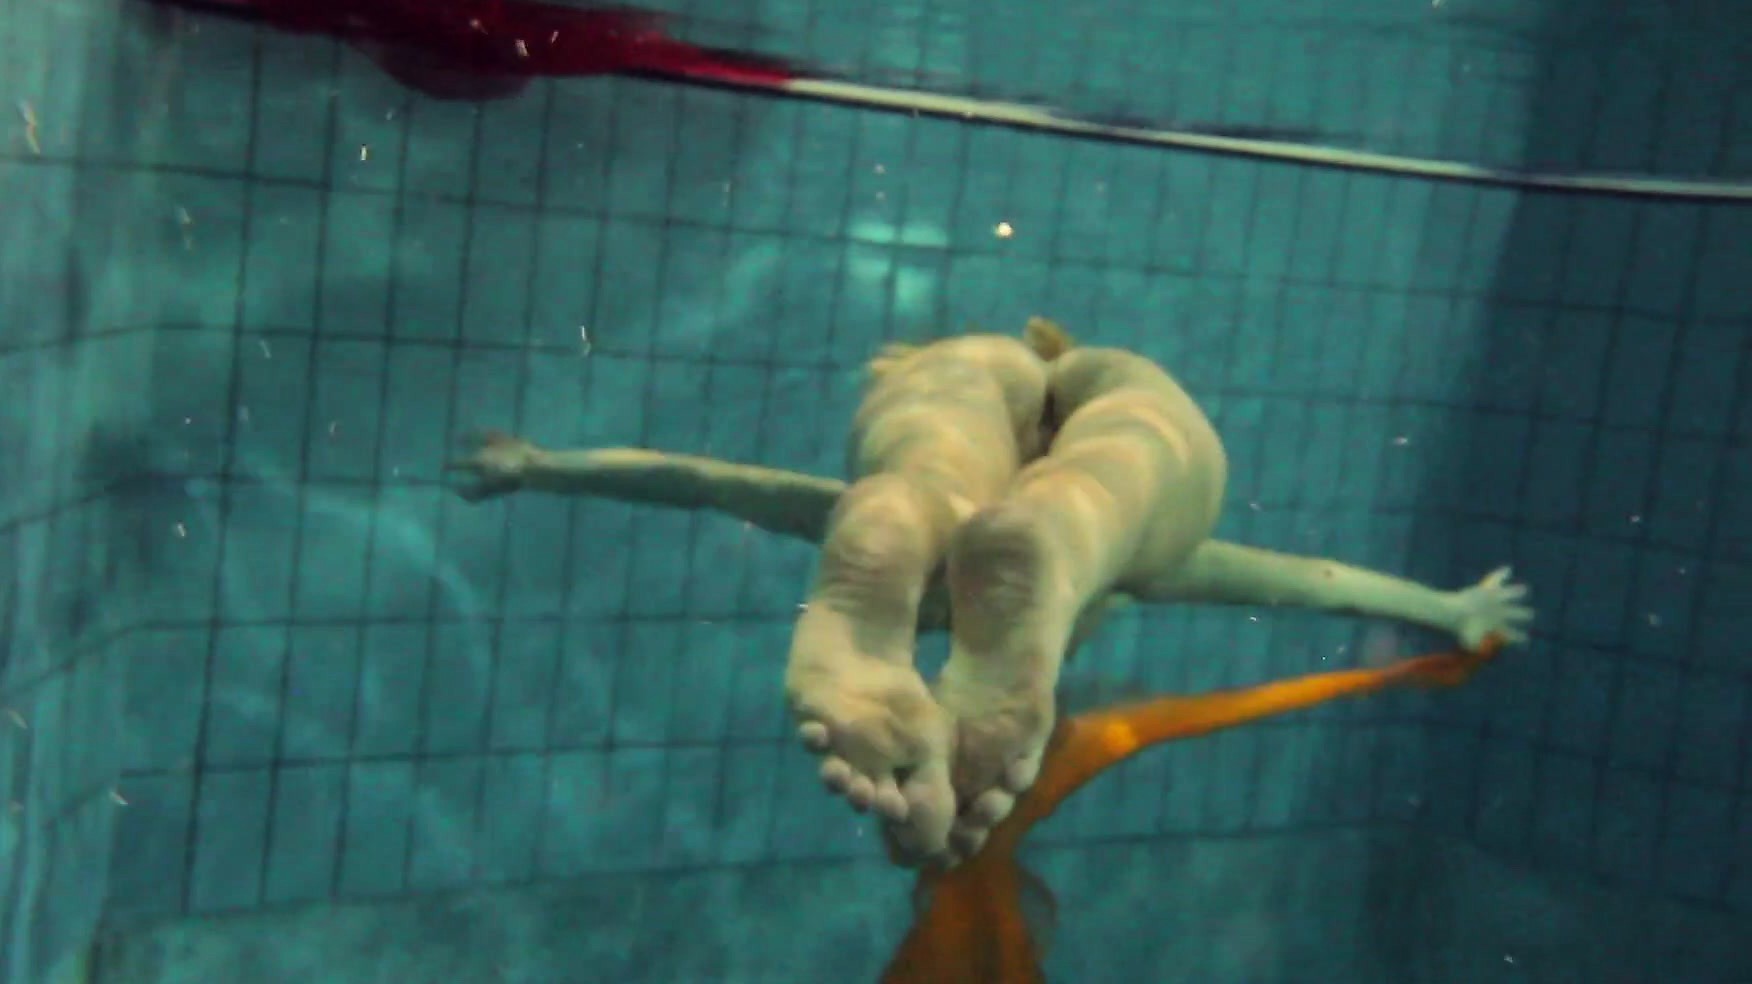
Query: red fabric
[479,49]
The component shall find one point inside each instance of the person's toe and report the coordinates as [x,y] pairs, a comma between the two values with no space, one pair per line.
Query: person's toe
[930,811]
[1020,774]
[815,736]
[966,840]
[888,801]
[860,792]
[837,774]
[989,807]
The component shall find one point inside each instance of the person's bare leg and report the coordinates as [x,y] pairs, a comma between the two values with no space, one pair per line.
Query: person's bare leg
[940,433]
[1132,483]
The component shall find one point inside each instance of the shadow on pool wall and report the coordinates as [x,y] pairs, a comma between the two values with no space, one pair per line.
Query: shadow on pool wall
[1600,430]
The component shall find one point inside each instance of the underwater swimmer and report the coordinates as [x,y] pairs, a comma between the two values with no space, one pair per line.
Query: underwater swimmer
[941,431]
[1136,483]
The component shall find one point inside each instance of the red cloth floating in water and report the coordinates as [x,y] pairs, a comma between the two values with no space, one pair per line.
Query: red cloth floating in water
[483,49]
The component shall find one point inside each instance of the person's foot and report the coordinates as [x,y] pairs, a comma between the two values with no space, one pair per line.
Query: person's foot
[882,739]
[858,700]
[1012,619]
[1002,722]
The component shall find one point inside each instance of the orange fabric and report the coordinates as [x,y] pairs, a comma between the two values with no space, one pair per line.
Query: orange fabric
[971,928]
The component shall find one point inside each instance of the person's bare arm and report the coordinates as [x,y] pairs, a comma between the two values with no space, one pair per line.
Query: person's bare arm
[1232,574]
[788,503]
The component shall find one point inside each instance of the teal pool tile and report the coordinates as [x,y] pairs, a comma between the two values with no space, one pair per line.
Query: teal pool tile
[442,143]
[1700,834]
[289,74]
[347,384]
[1502,817]
[511,817]
[322,691]
[304,833]
[1601,243]
[1650,704]
[1685,492]
[524,671]
[1557,472]
[1664,604]
[1667,249]
[394,529]
[165,671]
[634,797]
[561,291]
[1578,713]
[821,155]
[445,823]
[392,670]
[704,671]
[645,682]
[880,178]
[1563,822]
[358,255]
[1695,116]
[1705,380]
[1724,279]
[695,305]
[576,166]
[230,837]
[691,807]
[375,834]
[571,838]
[243,711]
[281,260]
[745,800]
[429,270]
[1711,709]
[1601,587]
[190,372]
[502,244]
[1452,760]
[1576,367]
[1734,513]
[1288,757]
[334,555]
[647,132]
[158,812]
[412,427]
[272,422]
[1615,498]
[455,689]
[369,122]
[1629,108]
[581,711]
[1183,216]
[717,128]
[1627,834]
[513,133]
